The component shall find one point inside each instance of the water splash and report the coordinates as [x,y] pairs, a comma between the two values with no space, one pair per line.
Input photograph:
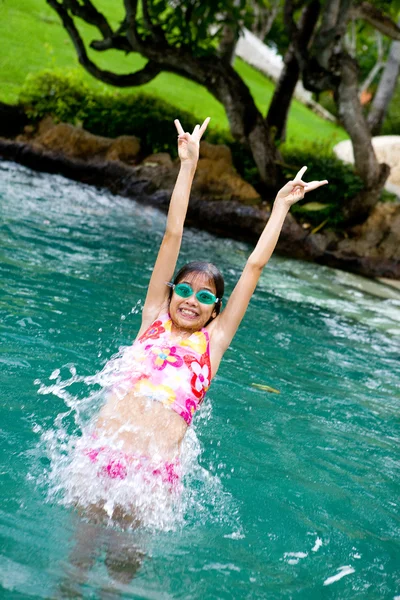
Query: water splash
[86,470]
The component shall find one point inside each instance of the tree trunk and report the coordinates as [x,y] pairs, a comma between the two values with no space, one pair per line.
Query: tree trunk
[246,122]
[227,46]
[327,66]
[280,104]
[216,74]
[371,172]
[386,88]
[229,39]
[279,108]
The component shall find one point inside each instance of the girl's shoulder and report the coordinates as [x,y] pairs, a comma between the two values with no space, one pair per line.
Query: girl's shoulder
[151,318]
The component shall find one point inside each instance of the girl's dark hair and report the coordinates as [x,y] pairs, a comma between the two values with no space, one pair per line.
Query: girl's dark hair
[210,271]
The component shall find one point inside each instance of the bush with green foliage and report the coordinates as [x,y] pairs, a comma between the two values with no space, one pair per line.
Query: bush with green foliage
[68,99]
[327,202]
[62,94]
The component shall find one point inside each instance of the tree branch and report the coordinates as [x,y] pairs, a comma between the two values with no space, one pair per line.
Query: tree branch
[227,45]
[90,14]
[344,16]
[157,33]
[330,15]
[117,42]
[145,75]
[280,103]
[386,88]
[132,33]
[377,19]
[289,21]
[352,117]
[122,28]
[328,41]
[300,52]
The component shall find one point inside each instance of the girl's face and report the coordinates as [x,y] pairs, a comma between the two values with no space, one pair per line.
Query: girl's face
[189,313]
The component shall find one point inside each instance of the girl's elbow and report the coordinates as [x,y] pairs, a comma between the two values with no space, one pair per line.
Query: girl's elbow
[255,264]
[173,233]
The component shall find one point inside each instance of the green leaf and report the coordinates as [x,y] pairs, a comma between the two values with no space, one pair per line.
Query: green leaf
[265,388]
[320,226]
[314,206]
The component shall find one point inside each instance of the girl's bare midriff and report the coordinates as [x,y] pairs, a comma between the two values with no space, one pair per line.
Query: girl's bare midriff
[142,426]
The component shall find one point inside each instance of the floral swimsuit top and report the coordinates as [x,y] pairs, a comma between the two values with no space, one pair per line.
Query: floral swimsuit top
[174,372]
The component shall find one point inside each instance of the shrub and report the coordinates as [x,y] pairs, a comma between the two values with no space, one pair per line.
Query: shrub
[244,163]
[327,202]
[67,98]
[61,94]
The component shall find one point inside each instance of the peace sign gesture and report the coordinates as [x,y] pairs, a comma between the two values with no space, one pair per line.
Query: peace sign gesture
[295,190]
[189,143]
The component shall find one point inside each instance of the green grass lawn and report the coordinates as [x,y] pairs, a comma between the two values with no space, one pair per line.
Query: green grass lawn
[32,39]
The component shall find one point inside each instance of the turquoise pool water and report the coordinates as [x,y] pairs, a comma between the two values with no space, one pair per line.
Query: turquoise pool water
[293,495]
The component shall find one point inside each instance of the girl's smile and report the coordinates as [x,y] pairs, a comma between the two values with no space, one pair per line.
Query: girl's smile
[189,313]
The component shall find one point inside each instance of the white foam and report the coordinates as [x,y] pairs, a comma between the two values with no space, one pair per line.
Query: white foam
[317,545]
[292,558]
[235,535]
[221,567]
[343,571]
[73,479]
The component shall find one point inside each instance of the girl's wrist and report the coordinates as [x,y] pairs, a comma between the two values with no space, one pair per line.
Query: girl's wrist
[189,165]
[282,204]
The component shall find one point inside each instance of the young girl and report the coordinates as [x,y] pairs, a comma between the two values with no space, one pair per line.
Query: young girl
[184,334]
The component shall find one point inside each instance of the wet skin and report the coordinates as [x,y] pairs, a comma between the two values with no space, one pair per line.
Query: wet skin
[145,426]
[188,314]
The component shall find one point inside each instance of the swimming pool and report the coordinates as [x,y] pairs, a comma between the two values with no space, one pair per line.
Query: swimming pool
[294,494]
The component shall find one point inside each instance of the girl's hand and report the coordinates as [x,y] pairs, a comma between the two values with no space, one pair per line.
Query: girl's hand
[295,190]
[189,144]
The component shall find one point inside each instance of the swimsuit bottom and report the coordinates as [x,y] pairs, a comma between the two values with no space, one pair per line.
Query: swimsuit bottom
[116,464]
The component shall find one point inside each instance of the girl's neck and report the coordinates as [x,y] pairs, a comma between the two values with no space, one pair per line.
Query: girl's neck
[179,332]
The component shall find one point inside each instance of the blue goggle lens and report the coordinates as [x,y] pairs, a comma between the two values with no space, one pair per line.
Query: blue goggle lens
[184,290]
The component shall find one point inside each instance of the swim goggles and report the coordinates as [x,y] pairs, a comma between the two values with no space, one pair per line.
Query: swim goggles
[184,290]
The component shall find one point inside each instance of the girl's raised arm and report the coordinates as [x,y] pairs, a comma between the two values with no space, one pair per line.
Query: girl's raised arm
[224,327]
[157,294]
